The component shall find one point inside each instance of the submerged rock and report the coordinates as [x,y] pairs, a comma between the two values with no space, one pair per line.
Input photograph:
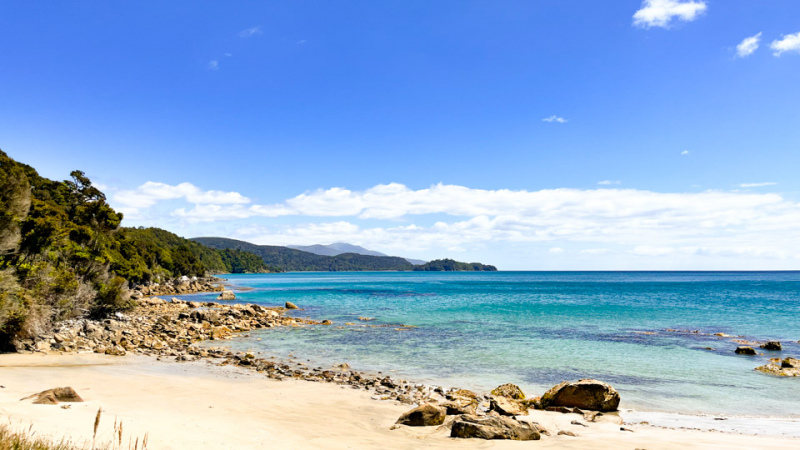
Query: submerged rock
[744,350]
[423,416]
[771,345]
[290,305]
[789,367]
[226,295]
[509,390]
[468,426]
[584,394]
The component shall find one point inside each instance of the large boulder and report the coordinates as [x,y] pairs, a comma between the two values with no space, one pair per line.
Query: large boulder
[226,295]
[772,346]
[744,350]
[490,427]
[584,394]
[55,395]
[423,416]
[290,305]
[510,391]
[507,406]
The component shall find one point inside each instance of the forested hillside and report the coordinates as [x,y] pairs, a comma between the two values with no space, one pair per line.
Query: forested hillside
[449,265]
[289,259]
[63,255]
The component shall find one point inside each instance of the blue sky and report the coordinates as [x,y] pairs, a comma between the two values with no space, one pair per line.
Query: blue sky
[418,128]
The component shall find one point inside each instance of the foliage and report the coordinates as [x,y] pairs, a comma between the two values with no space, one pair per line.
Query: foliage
[63,253]
[449,265]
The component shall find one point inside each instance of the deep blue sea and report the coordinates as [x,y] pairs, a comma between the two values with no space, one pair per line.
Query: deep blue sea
[535,329]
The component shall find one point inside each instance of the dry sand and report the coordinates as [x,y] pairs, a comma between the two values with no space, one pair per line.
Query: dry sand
[198,405]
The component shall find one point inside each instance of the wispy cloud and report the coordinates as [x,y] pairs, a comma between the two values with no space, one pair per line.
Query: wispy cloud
[554,118]
[228,54]
[685,152]
[250,32]
[789,43]
[750,185]
[150,193]
[638,222]
[302,41]
[748,46]
[608,182]
[660,13]
[213,65]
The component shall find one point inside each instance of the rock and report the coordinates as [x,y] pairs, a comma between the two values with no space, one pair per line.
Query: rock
[55,395]
[226,295]
[510,391]
[567,433]
[468,426]
[116,350]
[585,394]
[455,408]
[506,406]
[789,367]
[327,322]
[290,305]
[771,345]
[578,423]
[423,416]
[744,350]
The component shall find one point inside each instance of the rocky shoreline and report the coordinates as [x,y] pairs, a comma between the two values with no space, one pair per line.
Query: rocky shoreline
[170,330]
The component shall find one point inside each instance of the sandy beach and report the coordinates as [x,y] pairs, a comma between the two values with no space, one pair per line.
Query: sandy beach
[201,405]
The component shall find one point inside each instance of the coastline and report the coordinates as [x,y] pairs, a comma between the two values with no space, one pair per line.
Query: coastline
[200,405]
[184,391]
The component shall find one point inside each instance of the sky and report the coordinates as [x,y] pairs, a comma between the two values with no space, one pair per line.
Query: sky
[532,135]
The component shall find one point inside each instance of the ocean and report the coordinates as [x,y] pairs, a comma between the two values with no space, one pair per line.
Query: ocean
[536,329]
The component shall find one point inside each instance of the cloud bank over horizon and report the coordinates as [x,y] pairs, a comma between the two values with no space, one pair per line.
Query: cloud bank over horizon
[739,227]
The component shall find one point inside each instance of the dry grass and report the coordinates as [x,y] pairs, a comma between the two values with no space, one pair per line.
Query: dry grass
[11,439]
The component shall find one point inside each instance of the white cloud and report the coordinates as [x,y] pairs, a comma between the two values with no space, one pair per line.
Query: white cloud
[748,46]
[213,65]
[685,152]
[151,193]
[228,54]
[718,224]
[789,43]
[554,118]
[749,185]
[609,182]
[249,32]
[556,250]
[660,13]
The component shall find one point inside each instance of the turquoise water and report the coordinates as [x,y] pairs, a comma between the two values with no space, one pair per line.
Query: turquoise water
[535,329]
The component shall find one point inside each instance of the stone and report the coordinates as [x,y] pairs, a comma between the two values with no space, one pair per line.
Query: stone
[789,367]
[290,305]
[226,295]
[567,433]
[584,394]
[327,322]
[509,390]
[507,406]
[55,395]
[455,408]
[744,350]
[771,345]
[423,416]
[469,426]
[116,350]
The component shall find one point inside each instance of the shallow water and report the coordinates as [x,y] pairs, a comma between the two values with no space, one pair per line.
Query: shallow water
[535,329]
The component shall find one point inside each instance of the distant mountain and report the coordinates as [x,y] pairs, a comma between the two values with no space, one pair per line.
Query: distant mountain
[336,249]
[342,247]
[294,260]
